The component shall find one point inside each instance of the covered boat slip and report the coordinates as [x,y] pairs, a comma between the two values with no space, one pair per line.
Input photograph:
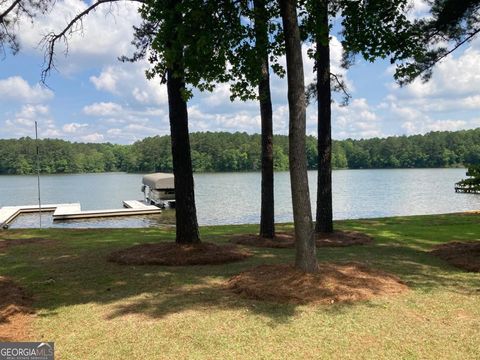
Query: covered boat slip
[159,181]
[74,211]
[159,189]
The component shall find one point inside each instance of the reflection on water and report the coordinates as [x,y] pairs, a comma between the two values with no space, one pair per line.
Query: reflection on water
[234,198]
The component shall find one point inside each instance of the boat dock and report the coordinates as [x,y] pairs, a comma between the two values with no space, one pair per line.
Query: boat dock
[74,211]
[9,213]
[467,189]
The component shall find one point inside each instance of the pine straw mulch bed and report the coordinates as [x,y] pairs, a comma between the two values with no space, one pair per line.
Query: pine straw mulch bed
[333,283]
[173,254]
[15,311]
[464,255]
[338,238]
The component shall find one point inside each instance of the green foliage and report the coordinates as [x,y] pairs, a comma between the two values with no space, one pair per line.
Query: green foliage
[452,23]
[259,35]
[189,37]
[58,156]
[472,183]
[382,29]
[222,151]
[377,29]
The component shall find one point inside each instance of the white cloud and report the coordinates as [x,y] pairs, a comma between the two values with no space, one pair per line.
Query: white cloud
[453,77]
[449,101]
[128,81]
[18,89]
[93,138]
[357,120]
[439,125]
[234,121]
[122,123]
[73,128]
[107,81]
[23,122]
[103,109]
[140,95]
[418,9]
[103,35]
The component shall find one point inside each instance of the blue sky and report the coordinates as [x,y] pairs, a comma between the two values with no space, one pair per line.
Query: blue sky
[92,97]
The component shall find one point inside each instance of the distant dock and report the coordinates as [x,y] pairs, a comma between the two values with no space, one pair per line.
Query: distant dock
[74,211]
[467,190]
[464,187]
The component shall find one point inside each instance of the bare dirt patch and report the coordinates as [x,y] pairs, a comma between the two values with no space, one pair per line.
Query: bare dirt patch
[6,243]
[333,283]
[15,311]
[464,255]
[280,241]
[342,238]
[338,238]
[173,254]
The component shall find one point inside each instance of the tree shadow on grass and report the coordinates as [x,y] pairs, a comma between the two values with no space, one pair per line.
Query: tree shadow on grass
[200,298]
[418,268]
[73,270]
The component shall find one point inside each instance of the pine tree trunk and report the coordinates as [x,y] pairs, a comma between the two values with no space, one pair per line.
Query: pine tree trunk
[324,218]
[305,258]
[186,213]
[267,214]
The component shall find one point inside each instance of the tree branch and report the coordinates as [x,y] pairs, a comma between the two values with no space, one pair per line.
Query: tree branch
[341,86]
[51,39]
[9,9]
[457,45]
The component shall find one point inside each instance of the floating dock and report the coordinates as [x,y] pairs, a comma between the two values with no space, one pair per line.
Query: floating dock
[468,190]
[74,211]
[9,213]
[131,207]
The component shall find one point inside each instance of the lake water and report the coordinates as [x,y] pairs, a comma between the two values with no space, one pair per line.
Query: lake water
[234,198]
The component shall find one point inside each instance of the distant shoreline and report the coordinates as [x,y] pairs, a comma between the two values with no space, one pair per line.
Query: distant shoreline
[238,152]
[232,172]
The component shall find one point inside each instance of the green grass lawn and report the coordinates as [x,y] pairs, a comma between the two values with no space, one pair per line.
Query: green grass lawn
[93,309]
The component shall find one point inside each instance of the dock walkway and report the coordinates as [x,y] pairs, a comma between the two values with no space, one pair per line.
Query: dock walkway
[74,211]
[9,213]
[132,207]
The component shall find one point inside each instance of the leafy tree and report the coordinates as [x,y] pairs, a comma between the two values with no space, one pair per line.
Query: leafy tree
[472,183]
[415,47]
[252,55]
[380,16]
[186,43]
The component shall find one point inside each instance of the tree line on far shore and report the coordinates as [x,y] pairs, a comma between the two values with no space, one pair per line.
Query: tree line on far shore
[217,152]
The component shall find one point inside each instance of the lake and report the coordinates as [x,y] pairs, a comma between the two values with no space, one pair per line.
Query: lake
[234,198]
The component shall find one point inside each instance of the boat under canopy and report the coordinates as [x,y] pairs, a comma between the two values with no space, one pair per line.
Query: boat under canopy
[159,181]
[159,189]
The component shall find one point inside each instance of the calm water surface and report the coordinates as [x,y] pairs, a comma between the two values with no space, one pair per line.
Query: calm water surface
[234,198]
